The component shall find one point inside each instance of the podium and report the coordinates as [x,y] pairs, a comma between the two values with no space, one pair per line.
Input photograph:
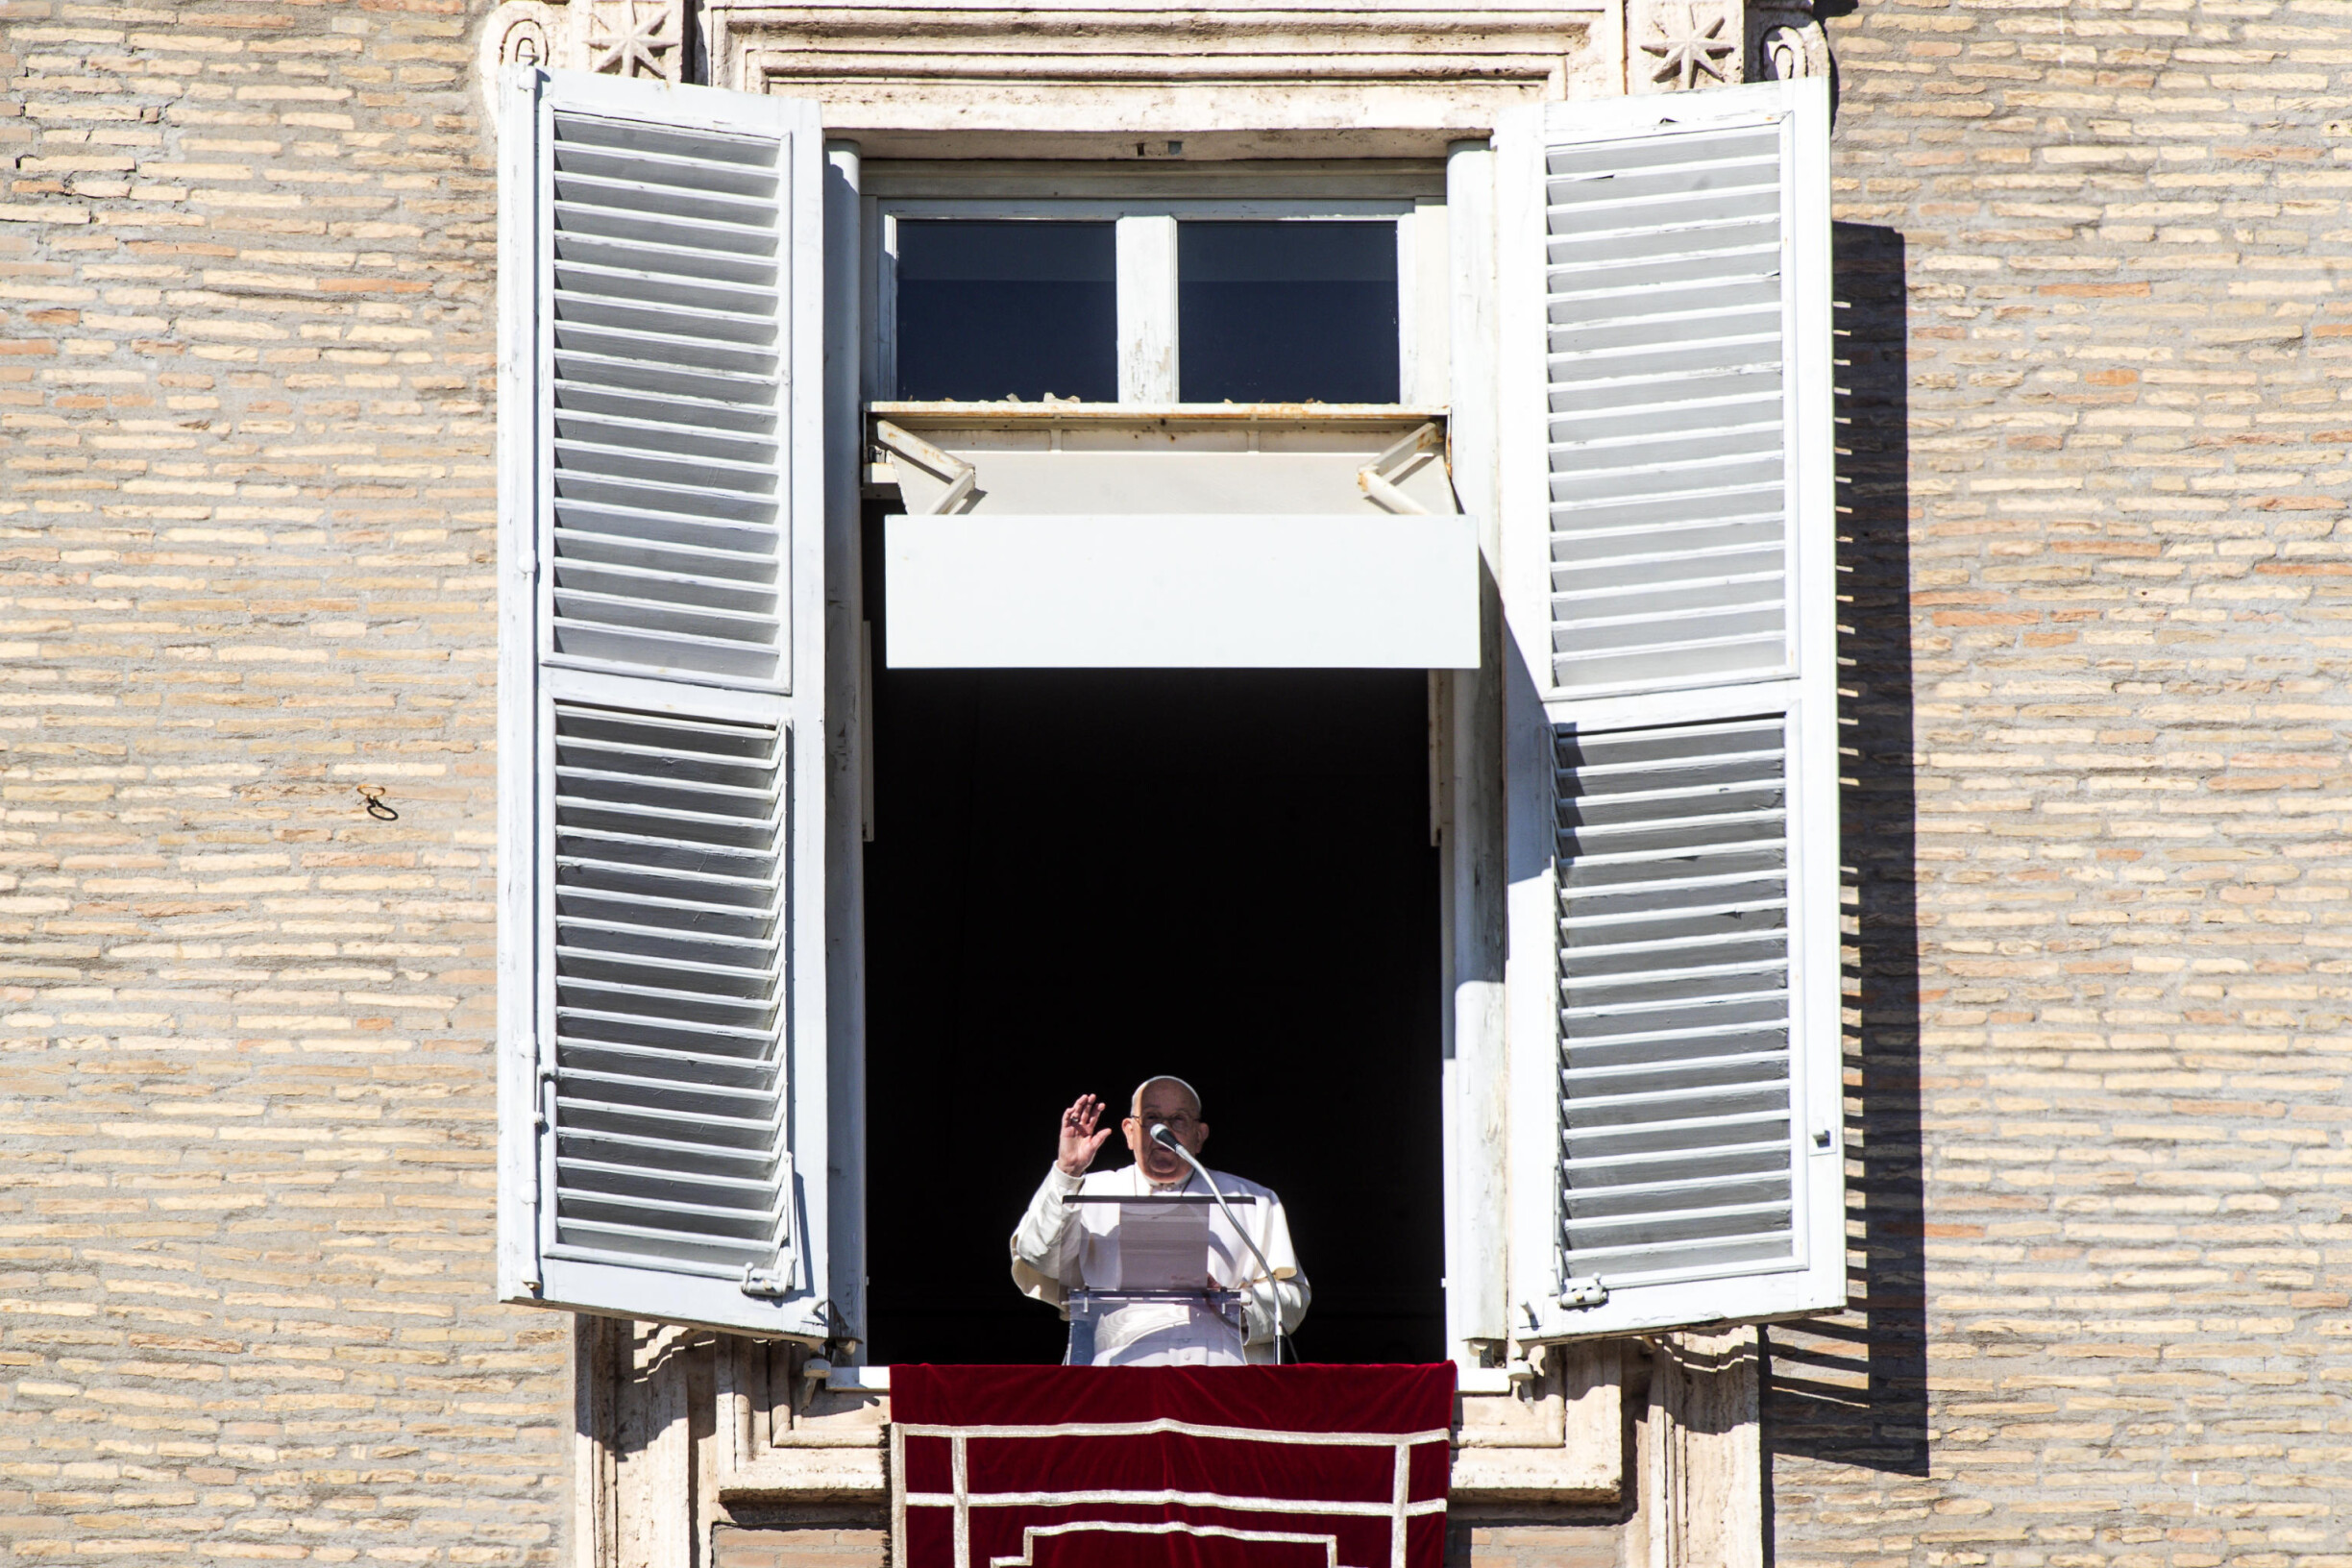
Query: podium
[1165,1277]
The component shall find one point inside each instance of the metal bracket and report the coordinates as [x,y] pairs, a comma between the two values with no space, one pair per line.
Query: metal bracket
[959,475]
[813,1372]
[1588,1292]
[1373,477]
[767,1284]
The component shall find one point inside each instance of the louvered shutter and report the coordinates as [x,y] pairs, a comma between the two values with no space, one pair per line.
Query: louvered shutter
[1667,554]
[661,581]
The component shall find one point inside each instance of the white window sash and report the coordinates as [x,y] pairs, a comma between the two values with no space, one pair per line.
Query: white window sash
[1146,269]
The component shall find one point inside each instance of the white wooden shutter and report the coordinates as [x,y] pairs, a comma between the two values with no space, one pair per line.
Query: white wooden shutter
[661,580]
[1668,557]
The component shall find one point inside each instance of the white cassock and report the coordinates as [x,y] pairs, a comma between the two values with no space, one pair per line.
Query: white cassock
[1064,1246]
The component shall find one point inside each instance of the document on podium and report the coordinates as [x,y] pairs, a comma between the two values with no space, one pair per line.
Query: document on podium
[1163,1247]
[1161,1301]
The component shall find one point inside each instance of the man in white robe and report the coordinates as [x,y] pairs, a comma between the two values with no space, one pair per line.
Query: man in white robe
[1063,1246]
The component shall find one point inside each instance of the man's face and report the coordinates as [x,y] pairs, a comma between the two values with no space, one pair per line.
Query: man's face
[1165,1102]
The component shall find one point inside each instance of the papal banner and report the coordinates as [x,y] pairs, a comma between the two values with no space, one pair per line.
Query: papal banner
[1170,1467]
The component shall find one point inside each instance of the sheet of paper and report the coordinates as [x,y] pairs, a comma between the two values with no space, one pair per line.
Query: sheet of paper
[1163,1247]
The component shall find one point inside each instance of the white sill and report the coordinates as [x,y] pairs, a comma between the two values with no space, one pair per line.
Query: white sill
[858,1380]
[1177,413]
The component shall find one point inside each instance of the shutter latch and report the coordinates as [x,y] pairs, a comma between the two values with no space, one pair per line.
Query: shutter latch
[769,1284]
[1590,1292]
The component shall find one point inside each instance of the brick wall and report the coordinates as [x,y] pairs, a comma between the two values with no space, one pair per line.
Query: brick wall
[245,1102]
[2094,473]
[2095,478]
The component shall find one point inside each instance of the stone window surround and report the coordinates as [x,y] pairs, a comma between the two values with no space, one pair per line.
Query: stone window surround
[734,1422]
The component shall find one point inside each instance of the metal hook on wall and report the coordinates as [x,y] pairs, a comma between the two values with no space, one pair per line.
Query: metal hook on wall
[375,807]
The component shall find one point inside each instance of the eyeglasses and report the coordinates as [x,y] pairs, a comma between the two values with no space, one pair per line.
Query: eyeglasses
[1175,1124]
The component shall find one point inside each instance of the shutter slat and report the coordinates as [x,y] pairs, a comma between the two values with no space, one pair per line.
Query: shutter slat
[1598,1078]
[583,278]
[639,253]
[655,139]
[664,318]
[754,1154]
[1668,986]
[580,517]
[669,984]
[684,387]
[718,220]
[746,368]
[1654,276]
[635,423]
[639,465]
[587,1027]
[744,428]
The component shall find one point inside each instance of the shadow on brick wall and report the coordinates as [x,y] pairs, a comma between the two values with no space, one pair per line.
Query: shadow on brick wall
[1851,1389]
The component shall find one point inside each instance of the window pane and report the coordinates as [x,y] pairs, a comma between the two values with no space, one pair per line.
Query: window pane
[990,311]
[1285,312]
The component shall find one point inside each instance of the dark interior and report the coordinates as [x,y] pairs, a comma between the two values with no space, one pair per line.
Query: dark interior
[1007,309]
[1080,878]
[1288,311]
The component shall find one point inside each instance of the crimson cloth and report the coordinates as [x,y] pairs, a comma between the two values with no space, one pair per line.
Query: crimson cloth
[1170,1466]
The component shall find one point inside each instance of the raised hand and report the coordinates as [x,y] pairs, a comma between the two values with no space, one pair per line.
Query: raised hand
[1080,1141]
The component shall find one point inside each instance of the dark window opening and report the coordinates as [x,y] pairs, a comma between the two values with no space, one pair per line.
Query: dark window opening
[992,310]
[1083,877]
[1287,312]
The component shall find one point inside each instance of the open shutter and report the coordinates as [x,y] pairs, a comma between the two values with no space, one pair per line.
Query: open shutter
[661,770]
[1668,556]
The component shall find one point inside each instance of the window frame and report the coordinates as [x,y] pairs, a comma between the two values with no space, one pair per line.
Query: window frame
[1147,275]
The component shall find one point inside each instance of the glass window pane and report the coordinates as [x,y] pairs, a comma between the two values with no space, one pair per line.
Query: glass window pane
[1287,312]
[990,311]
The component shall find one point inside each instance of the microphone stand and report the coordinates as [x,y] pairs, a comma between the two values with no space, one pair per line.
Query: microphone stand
[1166,1140]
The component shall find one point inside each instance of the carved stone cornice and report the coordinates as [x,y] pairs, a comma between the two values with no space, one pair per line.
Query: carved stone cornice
[1129,71]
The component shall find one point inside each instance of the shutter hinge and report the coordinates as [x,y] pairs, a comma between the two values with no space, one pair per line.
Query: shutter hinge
[1583,1294]
[767,1284]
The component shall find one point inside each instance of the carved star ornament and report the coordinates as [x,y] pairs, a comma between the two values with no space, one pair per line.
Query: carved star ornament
[1689,48]
[629,38]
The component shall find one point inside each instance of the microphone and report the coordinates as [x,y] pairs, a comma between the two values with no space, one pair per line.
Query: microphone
[1159,1133]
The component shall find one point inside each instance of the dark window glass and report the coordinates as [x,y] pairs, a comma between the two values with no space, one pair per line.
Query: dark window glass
[990,311]
[1287,312]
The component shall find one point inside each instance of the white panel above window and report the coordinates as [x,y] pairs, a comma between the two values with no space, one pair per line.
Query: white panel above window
[1189,535]
[1668,541]
[661,919]
[993,590]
